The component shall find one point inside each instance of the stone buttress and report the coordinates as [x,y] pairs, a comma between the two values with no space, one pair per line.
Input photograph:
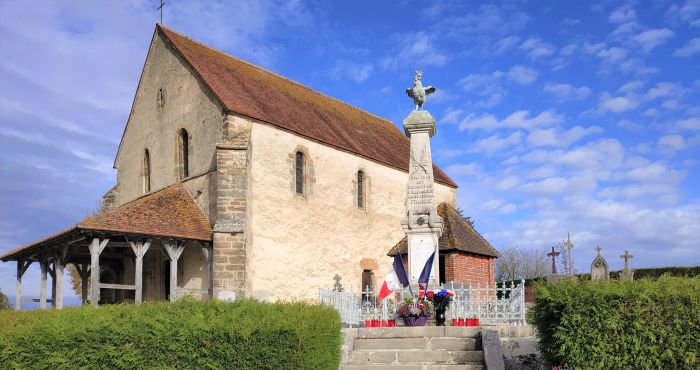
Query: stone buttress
[230,231]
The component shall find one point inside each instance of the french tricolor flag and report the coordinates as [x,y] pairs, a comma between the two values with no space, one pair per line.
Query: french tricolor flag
[395,279]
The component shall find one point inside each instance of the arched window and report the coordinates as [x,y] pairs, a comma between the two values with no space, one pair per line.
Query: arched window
[360,189]
[146,172]
[184,154]
[299,173]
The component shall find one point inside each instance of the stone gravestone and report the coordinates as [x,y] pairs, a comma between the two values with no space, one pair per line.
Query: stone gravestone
[599,268]
[553,277]
[626,274]
[422,225]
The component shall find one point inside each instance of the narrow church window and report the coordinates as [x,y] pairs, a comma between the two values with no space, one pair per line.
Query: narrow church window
[360,189]
[299,171]
[146,172]
[184,154]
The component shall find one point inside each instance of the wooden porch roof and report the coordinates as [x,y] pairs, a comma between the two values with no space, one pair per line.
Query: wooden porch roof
[167,213]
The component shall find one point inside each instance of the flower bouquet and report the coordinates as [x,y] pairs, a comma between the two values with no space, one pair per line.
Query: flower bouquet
[413,312]
[440,300]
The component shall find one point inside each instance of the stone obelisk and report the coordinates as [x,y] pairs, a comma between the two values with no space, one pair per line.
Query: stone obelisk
[422,225]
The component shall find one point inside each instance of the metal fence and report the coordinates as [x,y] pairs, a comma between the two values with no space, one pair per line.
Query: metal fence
[500,303]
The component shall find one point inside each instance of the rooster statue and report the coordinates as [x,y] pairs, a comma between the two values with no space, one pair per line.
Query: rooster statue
[418,92]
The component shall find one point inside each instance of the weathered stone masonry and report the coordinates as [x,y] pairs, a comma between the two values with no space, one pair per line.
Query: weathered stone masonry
[230,229]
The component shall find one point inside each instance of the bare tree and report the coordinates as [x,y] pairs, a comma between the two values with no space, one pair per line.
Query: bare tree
[565,261]
[516,263]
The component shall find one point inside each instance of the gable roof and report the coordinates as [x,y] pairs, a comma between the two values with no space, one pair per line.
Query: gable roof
[252,91]
[457,235]
[170,213]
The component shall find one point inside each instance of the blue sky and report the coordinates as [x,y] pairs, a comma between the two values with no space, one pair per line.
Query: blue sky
[553,117]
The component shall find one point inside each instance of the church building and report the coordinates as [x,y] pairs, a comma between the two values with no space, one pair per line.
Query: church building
[233,181]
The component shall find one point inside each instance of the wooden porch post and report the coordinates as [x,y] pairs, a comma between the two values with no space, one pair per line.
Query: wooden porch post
[51,268]
[96,247]
[59,265]
[174,249]
[44,263]
[84,272]
[22,267]
[140,250]
[208,267]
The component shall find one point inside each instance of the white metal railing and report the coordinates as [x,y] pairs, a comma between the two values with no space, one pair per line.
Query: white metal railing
[500,303]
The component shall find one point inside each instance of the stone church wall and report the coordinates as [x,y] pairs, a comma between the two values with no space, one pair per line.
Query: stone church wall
[298,243]
[169,98]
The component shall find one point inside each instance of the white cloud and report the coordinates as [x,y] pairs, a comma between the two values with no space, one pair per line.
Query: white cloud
[559,186]
[416,49]
[621,15]
[566,91]
[630,87]
[507,182]
[497,142]
[469,169]
[664,90]
[616,104]
[506,43]
[673,142]
[486,86]
[536,48]
[554,137]
[358,72]
[452,116]
[691,48]
[653,38]
[522,75]
[651,112]
[518,120]
[687,124]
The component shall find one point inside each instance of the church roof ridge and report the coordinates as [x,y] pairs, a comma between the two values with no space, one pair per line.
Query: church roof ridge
[273,73]
[252,91]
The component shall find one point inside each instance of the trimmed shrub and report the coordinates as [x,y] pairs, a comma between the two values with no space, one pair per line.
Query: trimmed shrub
[617,325]
[187,334]
[4,302]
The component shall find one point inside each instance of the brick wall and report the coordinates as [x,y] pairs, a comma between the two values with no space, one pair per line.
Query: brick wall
[463,267]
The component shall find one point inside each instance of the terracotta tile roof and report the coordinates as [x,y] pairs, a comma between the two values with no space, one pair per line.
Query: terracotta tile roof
[255,92]
[170,212]
[457,235]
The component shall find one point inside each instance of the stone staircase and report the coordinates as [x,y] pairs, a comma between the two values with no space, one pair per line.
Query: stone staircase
[416,348]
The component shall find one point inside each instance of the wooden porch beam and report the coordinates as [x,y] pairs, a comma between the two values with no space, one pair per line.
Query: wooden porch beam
[117,286]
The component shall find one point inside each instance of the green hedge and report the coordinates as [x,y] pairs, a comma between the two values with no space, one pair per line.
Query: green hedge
[184,335]
[639,325]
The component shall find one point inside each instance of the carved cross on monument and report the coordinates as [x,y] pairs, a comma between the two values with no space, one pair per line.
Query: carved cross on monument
[554,255]
[626,256]
[598,249]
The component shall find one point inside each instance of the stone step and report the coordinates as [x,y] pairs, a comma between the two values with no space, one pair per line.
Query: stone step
[414,367]
[412,356]
[419,331]
[436,343]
